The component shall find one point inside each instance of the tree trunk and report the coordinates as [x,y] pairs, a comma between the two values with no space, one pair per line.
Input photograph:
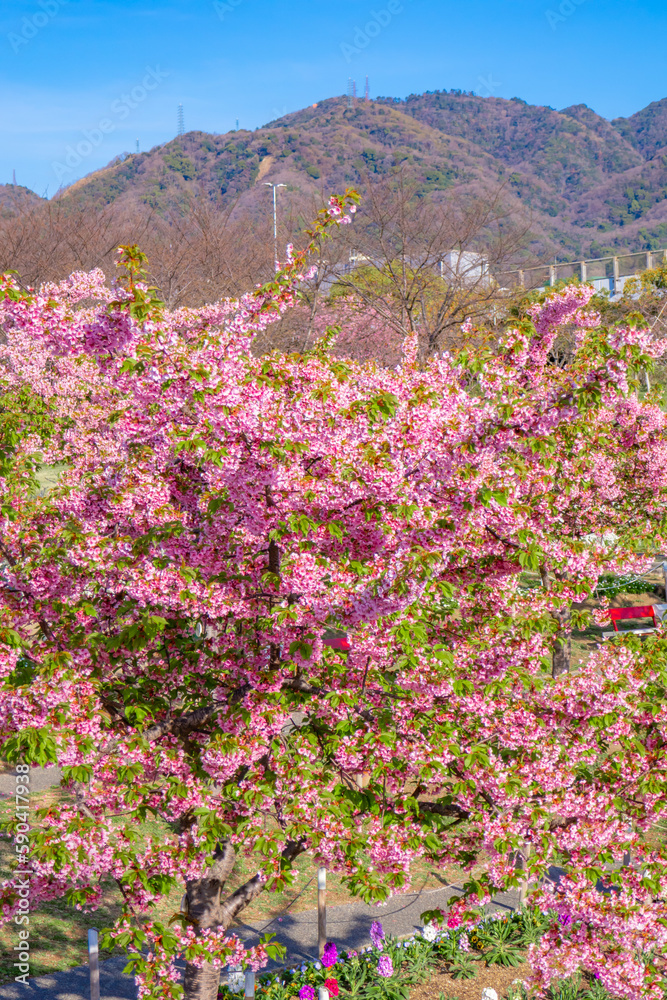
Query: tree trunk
[201,983]
[203,906]
[208,910]
[562,645]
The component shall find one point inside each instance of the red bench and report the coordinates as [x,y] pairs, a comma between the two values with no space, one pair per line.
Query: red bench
[642,611]
[339,642]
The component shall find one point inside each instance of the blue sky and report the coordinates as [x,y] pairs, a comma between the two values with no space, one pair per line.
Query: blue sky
[102,74]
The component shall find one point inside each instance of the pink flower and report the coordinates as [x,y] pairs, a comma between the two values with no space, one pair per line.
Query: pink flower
[330,956]
[385,966]
[377,934]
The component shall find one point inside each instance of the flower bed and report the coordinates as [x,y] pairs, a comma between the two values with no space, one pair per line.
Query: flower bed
[389,968]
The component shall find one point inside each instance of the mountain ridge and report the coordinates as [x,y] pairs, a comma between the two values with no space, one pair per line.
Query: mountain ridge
[587,185]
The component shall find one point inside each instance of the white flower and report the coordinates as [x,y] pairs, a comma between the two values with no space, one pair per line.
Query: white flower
[429,933]
[489,994]
[235,979]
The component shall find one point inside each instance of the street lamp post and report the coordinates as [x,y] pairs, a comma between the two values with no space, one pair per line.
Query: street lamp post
[275,221]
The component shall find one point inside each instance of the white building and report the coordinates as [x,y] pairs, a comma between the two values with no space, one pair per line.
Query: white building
[464,266]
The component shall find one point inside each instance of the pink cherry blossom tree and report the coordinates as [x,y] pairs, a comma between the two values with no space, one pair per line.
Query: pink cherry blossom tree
[163,608]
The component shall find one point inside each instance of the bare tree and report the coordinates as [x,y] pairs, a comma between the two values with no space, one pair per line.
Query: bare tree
[425,265]
[46,241]
[196,254]
[406,265]
[203,253]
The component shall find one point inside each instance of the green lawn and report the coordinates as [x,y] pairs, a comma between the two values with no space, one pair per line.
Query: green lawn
[48,476]
[58,931]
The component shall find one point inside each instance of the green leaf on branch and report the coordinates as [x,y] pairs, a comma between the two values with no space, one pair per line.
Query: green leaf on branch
[31,746]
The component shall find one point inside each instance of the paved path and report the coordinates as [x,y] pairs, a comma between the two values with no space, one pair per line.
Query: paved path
[348,925]
[41,778]
[74,984]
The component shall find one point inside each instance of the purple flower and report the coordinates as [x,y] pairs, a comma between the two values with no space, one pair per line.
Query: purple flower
[330,956]
[385,966]
[307,993]
[377,934]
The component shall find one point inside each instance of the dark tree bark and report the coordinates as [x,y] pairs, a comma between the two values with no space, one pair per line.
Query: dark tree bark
[562,646]
[207,909]
[203,907]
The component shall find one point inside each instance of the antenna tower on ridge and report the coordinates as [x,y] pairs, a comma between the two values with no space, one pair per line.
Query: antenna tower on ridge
[137,145]
[180,121]
[350,90]
[14,178]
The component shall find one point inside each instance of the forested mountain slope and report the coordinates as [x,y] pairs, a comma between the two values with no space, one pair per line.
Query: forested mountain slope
[583,185]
